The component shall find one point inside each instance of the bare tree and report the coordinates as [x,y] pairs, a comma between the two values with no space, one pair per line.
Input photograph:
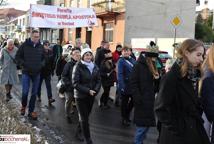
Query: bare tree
[3,2]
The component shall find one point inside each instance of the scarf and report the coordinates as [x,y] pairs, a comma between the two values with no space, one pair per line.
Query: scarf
[89,65]
[193,74]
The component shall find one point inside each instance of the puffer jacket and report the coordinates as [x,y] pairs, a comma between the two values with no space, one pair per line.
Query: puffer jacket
[30,57]
[83,81]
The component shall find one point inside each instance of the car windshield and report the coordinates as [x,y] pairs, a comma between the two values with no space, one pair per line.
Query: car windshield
[164,56]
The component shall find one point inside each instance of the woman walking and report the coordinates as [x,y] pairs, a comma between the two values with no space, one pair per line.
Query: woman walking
[125,67]
[107,69]
[142,81]
[86,81]
[9,76]
[177,105]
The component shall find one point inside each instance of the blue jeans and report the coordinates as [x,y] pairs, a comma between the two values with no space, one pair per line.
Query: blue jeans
[25,90]
[140,134]
[48,86]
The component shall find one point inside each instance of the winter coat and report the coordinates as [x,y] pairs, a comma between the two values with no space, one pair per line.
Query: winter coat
[9,70]
[124,71]
[67,75]
[116,56]
[142,86]
[83,80]
[207,94]
[57,52]
[48,68]
[100,56]
[107,73]
[177,107]
[30,57]
[61,62]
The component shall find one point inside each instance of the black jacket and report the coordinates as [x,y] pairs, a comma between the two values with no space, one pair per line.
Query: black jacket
[48,68]
[107,72]
[67,75]
[30,58]
[207,94]
[178,107]
[83,80]
[100,56]
[142,86]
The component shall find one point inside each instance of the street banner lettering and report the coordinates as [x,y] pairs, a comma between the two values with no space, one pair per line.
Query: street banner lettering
[45,16]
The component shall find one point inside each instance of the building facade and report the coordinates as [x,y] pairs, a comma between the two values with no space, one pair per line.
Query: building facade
[153,20]
[111,23]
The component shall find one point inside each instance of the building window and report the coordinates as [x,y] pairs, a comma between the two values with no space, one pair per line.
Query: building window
[108,32]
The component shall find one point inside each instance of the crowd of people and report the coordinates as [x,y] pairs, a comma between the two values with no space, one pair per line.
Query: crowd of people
[173,99]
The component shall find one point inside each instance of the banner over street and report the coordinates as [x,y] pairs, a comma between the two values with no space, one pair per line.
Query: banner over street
[45,16]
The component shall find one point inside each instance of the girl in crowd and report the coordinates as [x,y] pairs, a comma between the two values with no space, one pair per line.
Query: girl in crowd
[177,105]
[9,75]
[87,82]
[142,82]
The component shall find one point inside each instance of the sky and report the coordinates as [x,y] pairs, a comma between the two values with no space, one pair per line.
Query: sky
[25,4]
[210,5]
[20,4]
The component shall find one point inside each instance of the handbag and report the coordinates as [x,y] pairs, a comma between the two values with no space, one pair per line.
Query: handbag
[61,87]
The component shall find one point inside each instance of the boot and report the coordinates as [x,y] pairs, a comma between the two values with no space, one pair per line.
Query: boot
[8,96]
[78,134]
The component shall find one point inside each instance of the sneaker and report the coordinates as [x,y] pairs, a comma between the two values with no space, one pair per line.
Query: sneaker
[33,115]
[50,101]
[23,110]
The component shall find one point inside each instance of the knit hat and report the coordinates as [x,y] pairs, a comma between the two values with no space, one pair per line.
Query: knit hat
[85,50]
[152,50]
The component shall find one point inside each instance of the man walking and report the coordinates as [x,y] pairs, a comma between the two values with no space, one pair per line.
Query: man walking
[30,57]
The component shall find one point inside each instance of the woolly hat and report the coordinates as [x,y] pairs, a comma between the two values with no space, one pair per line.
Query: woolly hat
[85,50]
[152,50]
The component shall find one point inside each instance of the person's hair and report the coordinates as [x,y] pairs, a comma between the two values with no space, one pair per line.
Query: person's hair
[10,41]
[74,49]
[209,61]
[126,47]
[35,31]
[153,69]
[188,45]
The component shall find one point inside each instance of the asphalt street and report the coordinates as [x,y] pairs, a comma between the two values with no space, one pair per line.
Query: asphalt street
[105,125]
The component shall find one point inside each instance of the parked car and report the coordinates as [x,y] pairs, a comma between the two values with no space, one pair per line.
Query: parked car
[163,55]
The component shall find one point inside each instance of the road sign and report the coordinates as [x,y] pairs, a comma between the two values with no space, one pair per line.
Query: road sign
[176,21]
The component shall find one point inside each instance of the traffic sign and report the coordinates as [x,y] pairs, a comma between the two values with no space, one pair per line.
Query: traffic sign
[176,21]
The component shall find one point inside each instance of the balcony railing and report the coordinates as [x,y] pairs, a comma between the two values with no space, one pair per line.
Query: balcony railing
[101,6]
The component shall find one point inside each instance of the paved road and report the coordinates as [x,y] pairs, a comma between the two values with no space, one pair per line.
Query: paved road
[105,125]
